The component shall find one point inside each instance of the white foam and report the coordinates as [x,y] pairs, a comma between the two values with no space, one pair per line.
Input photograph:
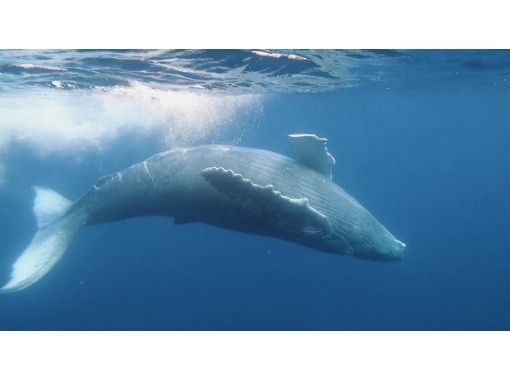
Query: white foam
[60,84]
[33,66]
[57,84]
[268,54]
[51,120]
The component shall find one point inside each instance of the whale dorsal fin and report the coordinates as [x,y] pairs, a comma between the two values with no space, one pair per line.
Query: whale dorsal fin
[311,151]
[291,214]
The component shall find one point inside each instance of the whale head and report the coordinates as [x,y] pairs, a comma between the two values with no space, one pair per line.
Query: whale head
[371,240]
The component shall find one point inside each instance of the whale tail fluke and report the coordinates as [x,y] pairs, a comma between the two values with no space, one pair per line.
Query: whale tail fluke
[57,224]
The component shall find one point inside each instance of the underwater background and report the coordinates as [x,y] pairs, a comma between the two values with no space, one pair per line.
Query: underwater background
[421,139]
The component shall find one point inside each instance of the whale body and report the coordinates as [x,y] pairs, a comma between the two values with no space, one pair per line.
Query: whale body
[245,189]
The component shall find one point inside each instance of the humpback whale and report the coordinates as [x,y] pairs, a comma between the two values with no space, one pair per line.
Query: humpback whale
[245,189]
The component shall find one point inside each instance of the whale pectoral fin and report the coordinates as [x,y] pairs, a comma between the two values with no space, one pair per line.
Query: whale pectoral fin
[291,214]
[311,151]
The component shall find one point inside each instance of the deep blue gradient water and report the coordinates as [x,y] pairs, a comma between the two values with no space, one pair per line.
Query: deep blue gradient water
[421,139]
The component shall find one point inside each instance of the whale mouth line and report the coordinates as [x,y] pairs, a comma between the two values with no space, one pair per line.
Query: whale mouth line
[377,255]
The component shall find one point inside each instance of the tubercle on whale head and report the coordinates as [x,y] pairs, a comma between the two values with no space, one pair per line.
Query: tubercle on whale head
[401,244]
[399,249]
[392,250]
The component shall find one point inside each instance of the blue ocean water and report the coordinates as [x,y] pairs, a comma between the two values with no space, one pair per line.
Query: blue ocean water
[420,138]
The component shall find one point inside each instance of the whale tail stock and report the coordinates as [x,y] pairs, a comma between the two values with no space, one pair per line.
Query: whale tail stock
[57,223]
